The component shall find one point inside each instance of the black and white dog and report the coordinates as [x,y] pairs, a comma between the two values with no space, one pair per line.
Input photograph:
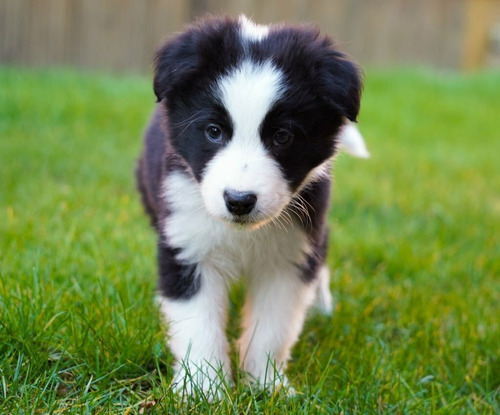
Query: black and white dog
[235,175]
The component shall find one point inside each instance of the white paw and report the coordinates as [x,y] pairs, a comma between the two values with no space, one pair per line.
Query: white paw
[280,384]
[204,380]
[271,379]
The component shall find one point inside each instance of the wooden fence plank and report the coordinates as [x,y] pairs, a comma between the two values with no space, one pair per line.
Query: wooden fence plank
[121,35]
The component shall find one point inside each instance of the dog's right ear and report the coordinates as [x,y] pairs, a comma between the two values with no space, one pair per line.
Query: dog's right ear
[174,63]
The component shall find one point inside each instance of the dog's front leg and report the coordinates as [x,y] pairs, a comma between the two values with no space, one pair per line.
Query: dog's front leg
[196,330]
[274,314]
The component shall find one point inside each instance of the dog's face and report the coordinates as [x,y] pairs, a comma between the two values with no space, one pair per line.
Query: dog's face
[254,112]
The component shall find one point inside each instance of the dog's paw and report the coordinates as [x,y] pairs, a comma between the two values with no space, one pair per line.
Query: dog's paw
[279,385]
[203,381]
[270,379]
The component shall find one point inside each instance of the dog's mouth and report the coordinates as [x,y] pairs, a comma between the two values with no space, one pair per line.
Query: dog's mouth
[245,221]
[251,221]
[242,220]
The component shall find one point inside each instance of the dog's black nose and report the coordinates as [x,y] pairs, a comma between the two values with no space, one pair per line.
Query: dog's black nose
[239,203]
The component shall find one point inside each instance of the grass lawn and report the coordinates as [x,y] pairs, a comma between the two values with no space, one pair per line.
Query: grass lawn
[415,256]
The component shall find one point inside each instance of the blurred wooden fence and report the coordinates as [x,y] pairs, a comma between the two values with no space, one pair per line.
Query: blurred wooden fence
[121,35]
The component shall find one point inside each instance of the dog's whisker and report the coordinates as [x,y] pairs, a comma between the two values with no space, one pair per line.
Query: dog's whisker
[188,120]
[302,214]
[304,208]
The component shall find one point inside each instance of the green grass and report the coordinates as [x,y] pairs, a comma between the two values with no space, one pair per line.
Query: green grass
[415,256]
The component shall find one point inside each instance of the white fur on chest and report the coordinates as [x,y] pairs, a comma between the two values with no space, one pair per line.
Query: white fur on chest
[233,251]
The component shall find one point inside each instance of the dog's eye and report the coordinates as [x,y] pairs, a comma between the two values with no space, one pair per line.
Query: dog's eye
[282,138]
[214,133]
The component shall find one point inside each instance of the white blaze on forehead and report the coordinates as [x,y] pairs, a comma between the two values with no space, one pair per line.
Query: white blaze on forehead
[251,30]
[244,164]
[248,93]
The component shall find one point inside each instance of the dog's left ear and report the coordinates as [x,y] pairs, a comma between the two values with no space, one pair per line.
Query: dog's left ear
[341,83]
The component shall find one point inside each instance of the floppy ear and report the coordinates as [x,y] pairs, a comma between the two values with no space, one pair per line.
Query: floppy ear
[174,63]
[341,84]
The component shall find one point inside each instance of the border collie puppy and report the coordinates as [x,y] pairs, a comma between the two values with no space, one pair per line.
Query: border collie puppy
[235,176]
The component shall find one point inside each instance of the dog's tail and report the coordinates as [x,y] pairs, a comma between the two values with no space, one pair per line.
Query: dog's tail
[351,141]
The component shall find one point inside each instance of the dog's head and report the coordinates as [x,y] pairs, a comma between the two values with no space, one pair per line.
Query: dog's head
[254,111]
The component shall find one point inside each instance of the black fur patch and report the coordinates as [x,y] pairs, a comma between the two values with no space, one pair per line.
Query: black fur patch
[177,280]
[315,198]
[192,61]
[187,130]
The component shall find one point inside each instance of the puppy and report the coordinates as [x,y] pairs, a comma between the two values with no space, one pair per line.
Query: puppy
[235,176]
